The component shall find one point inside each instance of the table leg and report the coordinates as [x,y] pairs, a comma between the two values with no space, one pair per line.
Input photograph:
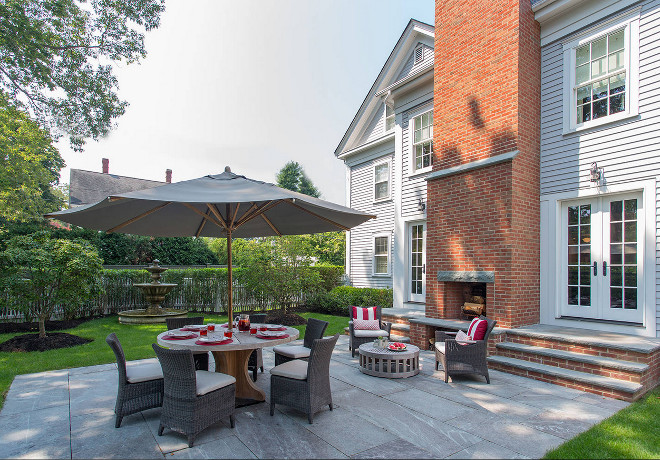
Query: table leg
[235,363]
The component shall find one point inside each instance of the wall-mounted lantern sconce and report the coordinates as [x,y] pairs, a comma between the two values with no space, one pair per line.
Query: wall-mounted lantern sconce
[595,173]
[421,206]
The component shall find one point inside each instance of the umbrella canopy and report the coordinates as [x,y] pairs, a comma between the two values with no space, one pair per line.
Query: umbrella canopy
[226,205]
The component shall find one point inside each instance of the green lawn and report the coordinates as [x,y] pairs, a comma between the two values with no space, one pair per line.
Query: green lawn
[135,339]
[633,432]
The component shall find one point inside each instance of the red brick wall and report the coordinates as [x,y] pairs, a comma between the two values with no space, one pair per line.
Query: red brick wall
[486,103]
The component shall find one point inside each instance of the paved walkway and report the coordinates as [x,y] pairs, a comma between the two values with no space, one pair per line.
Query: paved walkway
[69,414]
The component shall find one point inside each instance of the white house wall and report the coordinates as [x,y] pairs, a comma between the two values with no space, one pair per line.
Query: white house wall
[410,67]
[376,127]
[362,198]
[413,187]
[628,151]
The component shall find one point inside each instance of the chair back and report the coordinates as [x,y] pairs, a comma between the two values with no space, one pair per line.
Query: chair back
[491,325]
[318,367]
[176,323]
[113,341]
[258,318]
[314,330]
[179,377]
[378,312]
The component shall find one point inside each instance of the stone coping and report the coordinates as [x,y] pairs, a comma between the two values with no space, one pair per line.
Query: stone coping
[453,324]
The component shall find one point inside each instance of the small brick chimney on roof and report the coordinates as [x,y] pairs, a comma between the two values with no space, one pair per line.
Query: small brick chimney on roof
[168,176]
[106,165]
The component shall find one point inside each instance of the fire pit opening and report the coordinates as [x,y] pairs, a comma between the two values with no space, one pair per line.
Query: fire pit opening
[474,300]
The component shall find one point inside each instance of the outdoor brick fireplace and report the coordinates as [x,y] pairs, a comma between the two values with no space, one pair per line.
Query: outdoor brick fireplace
[483,193]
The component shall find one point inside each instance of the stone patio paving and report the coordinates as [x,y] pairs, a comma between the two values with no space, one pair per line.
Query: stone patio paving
[69,414]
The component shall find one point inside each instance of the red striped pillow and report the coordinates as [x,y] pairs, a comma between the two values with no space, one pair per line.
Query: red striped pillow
[477,329]
[364,313]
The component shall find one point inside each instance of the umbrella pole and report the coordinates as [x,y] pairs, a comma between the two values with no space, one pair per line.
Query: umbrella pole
[230,287]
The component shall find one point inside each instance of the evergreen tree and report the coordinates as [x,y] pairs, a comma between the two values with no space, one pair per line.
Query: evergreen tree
[293,177]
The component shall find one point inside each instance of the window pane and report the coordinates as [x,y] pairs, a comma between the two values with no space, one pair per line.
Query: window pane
[630,209]
[573,255]
[573,295]
[600,89]
[630,254]
[418,135]
[388,110]
[598,48]
[425,133]
[585,276]
[572,215]
[380,244]
[616,297]
[381,264]
[615,254]
[585,255]
[582,74]
[582,55]
[573,275]
[615,61]
[630,299]
[616,276]
[573,237]
[584,113]
[616,210]
[585,214]
[381,172]
[585,296]
[381,190]
[630,232]
[631,276]
[598,67]
[617,103]
[584,94]
[616,232]
[600,109]
[585,234]
[615,41]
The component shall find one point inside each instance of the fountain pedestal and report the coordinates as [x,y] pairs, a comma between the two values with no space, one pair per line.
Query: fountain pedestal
[155,293]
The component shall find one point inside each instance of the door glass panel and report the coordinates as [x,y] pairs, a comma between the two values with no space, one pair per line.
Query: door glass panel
[579,255]
[623,257]
[416,248]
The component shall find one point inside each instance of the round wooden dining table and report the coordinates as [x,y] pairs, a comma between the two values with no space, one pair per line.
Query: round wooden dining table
[233,358]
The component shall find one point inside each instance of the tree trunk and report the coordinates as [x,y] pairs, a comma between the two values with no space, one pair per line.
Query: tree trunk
[42,326]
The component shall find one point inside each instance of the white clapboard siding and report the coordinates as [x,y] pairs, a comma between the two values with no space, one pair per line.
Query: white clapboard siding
[413,187]
[628,150]
[362,236]
[375,128]
[410,67]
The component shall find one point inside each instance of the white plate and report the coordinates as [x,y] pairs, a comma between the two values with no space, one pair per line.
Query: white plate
[178,334]
[274,326]
[271,333]
[207,339]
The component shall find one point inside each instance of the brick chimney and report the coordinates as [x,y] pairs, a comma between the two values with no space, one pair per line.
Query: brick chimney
[483,211]
[168,176]
[106,165]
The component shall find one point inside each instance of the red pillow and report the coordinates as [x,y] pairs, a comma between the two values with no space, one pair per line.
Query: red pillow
[364,313]
[477,329]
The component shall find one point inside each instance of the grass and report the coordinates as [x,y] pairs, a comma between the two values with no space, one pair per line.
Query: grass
[135,339]
[633,432]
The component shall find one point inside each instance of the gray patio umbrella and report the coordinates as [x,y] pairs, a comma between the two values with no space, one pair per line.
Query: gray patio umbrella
[225,205]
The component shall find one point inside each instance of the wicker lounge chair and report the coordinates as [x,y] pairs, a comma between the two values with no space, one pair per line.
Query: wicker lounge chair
[459,358]
[357,337]
[193,400]
[314,330]
[256,360]
[201,357]
[140,384]
[304,385]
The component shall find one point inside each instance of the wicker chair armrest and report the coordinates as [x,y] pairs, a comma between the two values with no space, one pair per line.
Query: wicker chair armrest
[386,326]
[441,336]
[464,351]
[350,327]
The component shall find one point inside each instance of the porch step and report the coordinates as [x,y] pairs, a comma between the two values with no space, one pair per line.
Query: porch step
[593,383]
[602,361]
[399,338]
[399,327]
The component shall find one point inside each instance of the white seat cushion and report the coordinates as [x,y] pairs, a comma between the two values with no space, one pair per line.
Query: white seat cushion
[296,369]
[142,372]
[367,333]
[292,351]
[211,381]
[440,346]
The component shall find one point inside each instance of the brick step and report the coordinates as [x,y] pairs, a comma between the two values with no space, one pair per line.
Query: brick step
[592,364]
[598,384]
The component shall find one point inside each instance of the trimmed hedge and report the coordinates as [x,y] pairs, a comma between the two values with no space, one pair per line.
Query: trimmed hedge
[336,301]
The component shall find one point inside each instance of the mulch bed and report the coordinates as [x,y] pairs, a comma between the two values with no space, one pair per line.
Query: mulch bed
[287,319]
[32,342]
[10,328]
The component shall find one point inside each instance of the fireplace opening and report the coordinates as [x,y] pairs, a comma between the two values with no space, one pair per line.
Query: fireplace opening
[474,300]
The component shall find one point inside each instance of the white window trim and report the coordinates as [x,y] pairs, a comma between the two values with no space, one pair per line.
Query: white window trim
[389,254]
[388,162]
[631,58]
[411,147]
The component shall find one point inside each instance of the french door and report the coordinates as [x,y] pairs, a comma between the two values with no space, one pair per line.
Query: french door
[602,261]
[417,262]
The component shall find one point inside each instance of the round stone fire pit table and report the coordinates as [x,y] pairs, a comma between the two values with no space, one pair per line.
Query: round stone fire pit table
[383,362]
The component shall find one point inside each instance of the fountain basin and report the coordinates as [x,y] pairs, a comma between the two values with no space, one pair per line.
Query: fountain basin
[141,316]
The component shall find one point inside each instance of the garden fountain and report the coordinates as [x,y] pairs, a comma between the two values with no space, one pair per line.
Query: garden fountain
[155,293]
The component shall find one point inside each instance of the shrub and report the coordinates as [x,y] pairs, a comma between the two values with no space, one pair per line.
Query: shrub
[338,299]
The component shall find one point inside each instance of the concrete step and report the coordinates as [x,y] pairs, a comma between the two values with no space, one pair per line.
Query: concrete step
[401,327]
[593,383]
[399,338]
[602,361]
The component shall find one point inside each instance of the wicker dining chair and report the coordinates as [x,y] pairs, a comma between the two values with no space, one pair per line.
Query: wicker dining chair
[140,384]
[358,337]
[304,385]
[463,358]
[314,330]
[193,400]
[201,357]
[256,360]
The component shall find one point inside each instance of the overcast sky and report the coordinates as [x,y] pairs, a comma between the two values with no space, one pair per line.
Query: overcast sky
[251,84]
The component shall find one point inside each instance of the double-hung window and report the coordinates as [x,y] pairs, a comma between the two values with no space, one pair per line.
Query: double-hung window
[381,255]
[600,74]
[423,141]
[389,118]
[382,181]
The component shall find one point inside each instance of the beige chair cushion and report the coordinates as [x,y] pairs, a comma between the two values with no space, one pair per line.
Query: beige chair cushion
[296,369]
[440,346]
[367,333]
[292,351]
[143,372]
[211,381]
